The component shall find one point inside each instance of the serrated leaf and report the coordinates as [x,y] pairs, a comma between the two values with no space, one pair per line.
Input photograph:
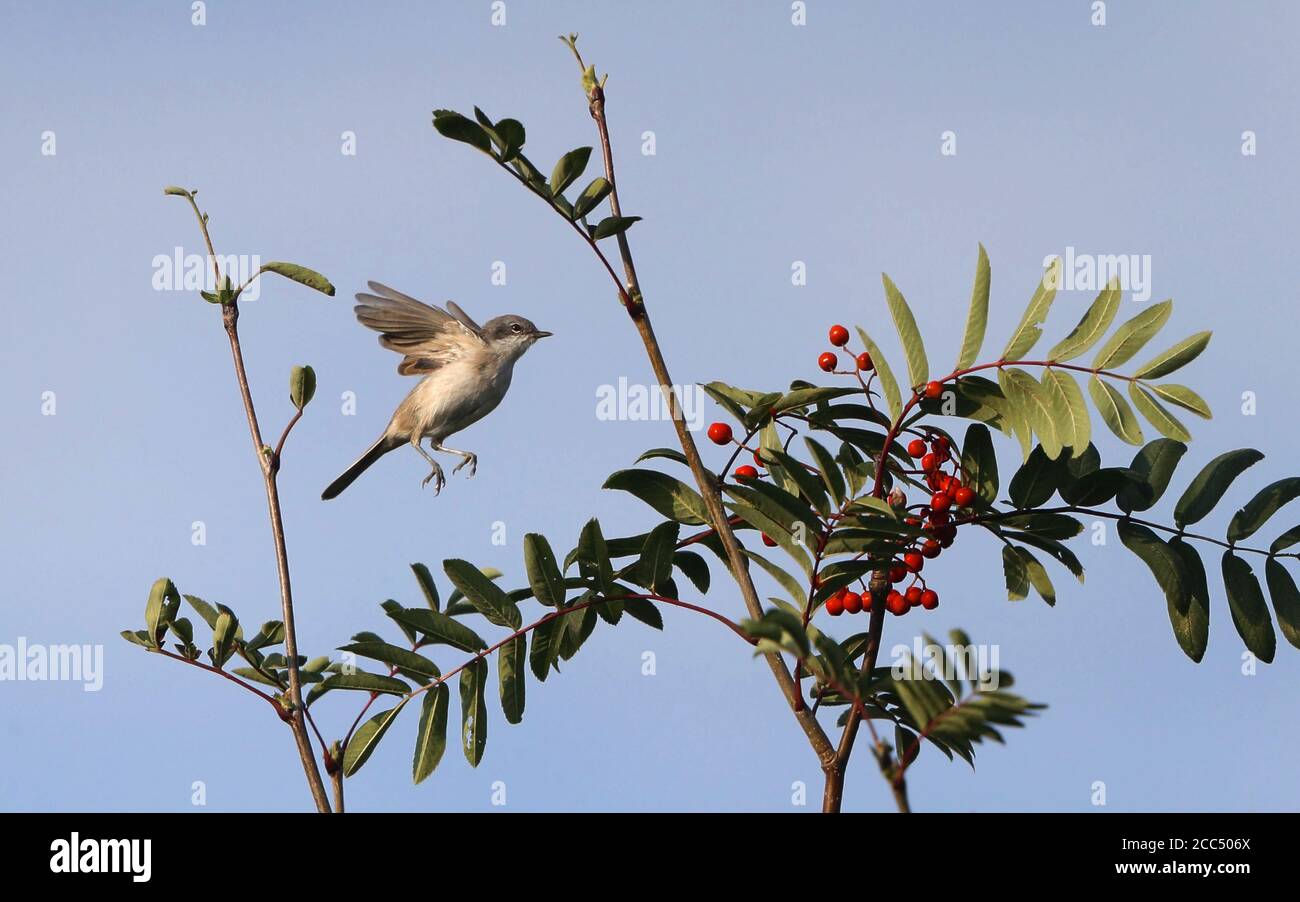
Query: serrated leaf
[431,738]
[977,317]
[1038,577]
[645,611]
[473,711]
[568,168]
[888,384]
[670,497]
[1286,600]
[1036,481]
[1285,541]
[546,646]
[1249,611]
[1017,576]
[1192,626]
[1175,358]
[1028,394]
[1115,411]
[1069,410]
[1209,485]
[394,656]
[1165,564]
[366,682]
[1130,337]
[831,476]
[543,572]
[1164,421]
[656,564]
[1184,397]
[427,585]
[1155,462]
[366,739]
[1027,333]
[1096,320]
[979,463]
[918,366]
[1266,503]
[512,661]
[439,628]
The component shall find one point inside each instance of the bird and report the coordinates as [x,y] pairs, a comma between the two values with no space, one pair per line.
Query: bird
[465,368]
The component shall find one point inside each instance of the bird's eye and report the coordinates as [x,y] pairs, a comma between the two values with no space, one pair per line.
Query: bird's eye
[515,327]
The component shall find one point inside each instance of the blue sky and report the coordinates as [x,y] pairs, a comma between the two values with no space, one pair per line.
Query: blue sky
[774,143]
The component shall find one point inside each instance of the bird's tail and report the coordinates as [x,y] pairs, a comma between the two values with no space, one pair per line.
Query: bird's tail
[373,453]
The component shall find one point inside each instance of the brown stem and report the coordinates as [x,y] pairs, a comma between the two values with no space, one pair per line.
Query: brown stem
[703,478]
[336,780]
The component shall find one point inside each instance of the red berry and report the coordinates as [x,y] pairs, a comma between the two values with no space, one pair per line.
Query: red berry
[769,541]
[913,561]
[866,601]
[834,606]
[719,433]
[864,361]
[758,460]
[940,502]
[852,603]
[945,533]
[897,573]
[916,447]
[746,471]
[913,596]
[940,445]
[931,548]
[963,496]
[895,603]
[828,362]
[929,462]
[933,390]
[938,519]
[929,599]
[839,336]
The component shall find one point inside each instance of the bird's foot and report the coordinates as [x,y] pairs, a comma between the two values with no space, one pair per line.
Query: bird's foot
[471,460]
[438,479]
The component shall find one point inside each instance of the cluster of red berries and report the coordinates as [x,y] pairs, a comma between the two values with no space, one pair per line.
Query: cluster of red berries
[898,603]
[839,337]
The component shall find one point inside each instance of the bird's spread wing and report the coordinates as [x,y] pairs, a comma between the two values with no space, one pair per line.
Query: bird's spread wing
[426,336]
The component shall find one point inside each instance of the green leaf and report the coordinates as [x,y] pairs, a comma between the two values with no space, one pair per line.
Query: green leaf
[1069,410]
[1099,486]
[1033,399]
[594,563]
[1176,357]
[1030,328]
[791,585]
[979,463]
[458,128]
[1036,481]
[1132,336]
[831,476]
[977,317]
[667,453]
[1266,503]
[596,191]
[176,192]
[612,225]
[427,585]
[302,386]
[366,739]
[511,663]
[203,609]
[1155,463]
[1093,325]
[366,682]
[1058,551]
[431,738]
[546,646]
[161,608]
[670,497]
[645,610]
[223,638]
[1191,626]
[918,367]
[1285,541]
[656,565]
[1249,611]
[394,656]
[1165,422]
[473,711]
[1115,411]
[1184,397]
[1013,566]
[1210,484]
[1286,600]
[510,138]
[438,628]
[568,168]
[1038,577]
[1165,564]
[484,594]
[300,274]
[543,573]
[888,384]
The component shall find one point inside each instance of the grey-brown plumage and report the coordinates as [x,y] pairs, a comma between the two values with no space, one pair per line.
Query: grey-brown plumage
[466,369]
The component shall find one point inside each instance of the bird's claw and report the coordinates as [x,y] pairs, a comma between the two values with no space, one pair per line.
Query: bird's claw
[471,460]
[438,479]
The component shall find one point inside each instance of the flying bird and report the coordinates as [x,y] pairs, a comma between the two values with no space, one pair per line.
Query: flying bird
[465,370]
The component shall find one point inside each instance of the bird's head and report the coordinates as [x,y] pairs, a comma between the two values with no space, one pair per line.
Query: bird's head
[511,335]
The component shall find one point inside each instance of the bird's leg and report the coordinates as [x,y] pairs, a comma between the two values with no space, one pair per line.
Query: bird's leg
[469,458]
[435,474]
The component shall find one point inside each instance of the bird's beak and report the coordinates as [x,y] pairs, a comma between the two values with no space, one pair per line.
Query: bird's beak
[540,334]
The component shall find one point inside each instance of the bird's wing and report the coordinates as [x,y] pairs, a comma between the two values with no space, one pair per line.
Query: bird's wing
[426,336]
